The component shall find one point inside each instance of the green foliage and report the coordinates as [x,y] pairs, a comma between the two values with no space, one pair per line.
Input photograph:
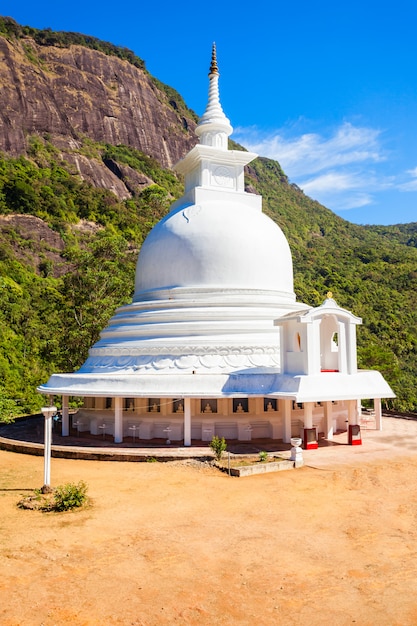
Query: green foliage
[263,456]
[218,446]
[47,37]
[63,498]
[102,279]
[69,496]
[9,27]
[145,164]
[29,332]
[402,233]
[8,407]
[175,100]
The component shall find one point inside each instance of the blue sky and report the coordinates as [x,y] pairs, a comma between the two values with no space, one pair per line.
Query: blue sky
[328,89]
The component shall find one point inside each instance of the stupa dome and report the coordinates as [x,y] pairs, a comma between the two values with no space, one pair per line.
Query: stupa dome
[227,245]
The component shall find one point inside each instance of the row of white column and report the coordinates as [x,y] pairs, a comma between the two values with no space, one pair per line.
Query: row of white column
[118,419]
[353,418]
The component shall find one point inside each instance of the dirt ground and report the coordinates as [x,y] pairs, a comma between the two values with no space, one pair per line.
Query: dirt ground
[332,543]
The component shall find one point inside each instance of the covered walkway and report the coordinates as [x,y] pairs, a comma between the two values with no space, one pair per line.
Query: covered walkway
[26,436]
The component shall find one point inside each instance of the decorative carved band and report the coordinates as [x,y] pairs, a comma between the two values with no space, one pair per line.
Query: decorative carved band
[182,350]
[191,362]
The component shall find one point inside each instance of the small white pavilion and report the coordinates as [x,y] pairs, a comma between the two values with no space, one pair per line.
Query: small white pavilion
[214,342]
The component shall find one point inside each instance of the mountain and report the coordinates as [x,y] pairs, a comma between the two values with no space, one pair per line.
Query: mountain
[88,137]
[53,84]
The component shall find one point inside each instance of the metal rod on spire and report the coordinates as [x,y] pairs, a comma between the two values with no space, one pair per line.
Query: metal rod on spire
[213,66]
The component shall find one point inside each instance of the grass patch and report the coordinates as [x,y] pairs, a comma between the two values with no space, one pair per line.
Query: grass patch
[63,498]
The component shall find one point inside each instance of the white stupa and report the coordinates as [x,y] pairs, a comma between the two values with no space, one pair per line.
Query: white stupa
[214,341]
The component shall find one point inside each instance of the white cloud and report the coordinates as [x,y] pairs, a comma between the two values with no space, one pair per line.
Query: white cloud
[337,189]
[410,185]
[337,170]
[330,181]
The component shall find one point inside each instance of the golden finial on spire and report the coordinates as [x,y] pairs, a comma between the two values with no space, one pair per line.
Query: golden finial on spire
[329,295]
[213,66]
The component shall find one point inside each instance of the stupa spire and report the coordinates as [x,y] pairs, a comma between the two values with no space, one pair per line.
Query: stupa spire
[214,127]
[213,66]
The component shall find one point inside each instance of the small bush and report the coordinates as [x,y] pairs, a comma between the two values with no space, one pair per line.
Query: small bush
[69,496]
[263,456]
[63,498]
[218,446]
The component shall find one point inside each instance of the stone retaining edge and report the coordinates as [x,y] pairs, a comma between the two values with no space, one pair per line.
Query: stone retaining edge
[259,468]
[87,454]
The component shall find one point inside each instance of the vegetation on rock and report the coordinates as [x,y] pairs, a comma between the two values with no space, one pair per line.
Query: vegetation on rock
[47,37]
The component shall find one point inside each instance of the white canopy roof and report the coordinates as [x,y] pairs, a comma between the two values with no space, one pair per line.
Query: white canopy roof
[259,382]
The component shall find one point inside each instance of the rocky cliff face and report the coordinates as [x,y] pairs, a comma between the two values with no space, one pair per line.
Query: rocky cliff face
[76,92]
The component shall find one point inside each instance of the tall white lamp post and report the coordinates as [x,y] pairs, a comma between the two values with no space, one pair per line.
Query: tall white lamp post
[48,412]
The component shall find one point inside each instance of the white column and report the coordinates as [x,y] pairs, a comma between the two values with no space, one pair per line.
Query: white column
[312,348]
[352,412]
[359,411]
[47,451]
[328,420]
[118,420]
[65,417]
[187,421]
[352,359]
[47,412]
[342,351]
[378,413]
[308,414]
[287,420]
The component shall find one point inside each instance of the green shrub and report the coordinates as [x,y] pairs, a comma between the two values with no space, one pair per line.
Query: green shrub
[263,456]
[69,496]
[218,446]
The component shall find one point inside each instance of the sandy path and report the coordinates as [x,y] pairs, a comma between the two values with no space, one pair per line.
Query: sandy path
[174,544]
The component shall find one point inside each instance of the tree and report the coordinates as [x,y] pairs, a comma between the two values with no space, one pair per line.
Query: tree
[101,280]
[8,407]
